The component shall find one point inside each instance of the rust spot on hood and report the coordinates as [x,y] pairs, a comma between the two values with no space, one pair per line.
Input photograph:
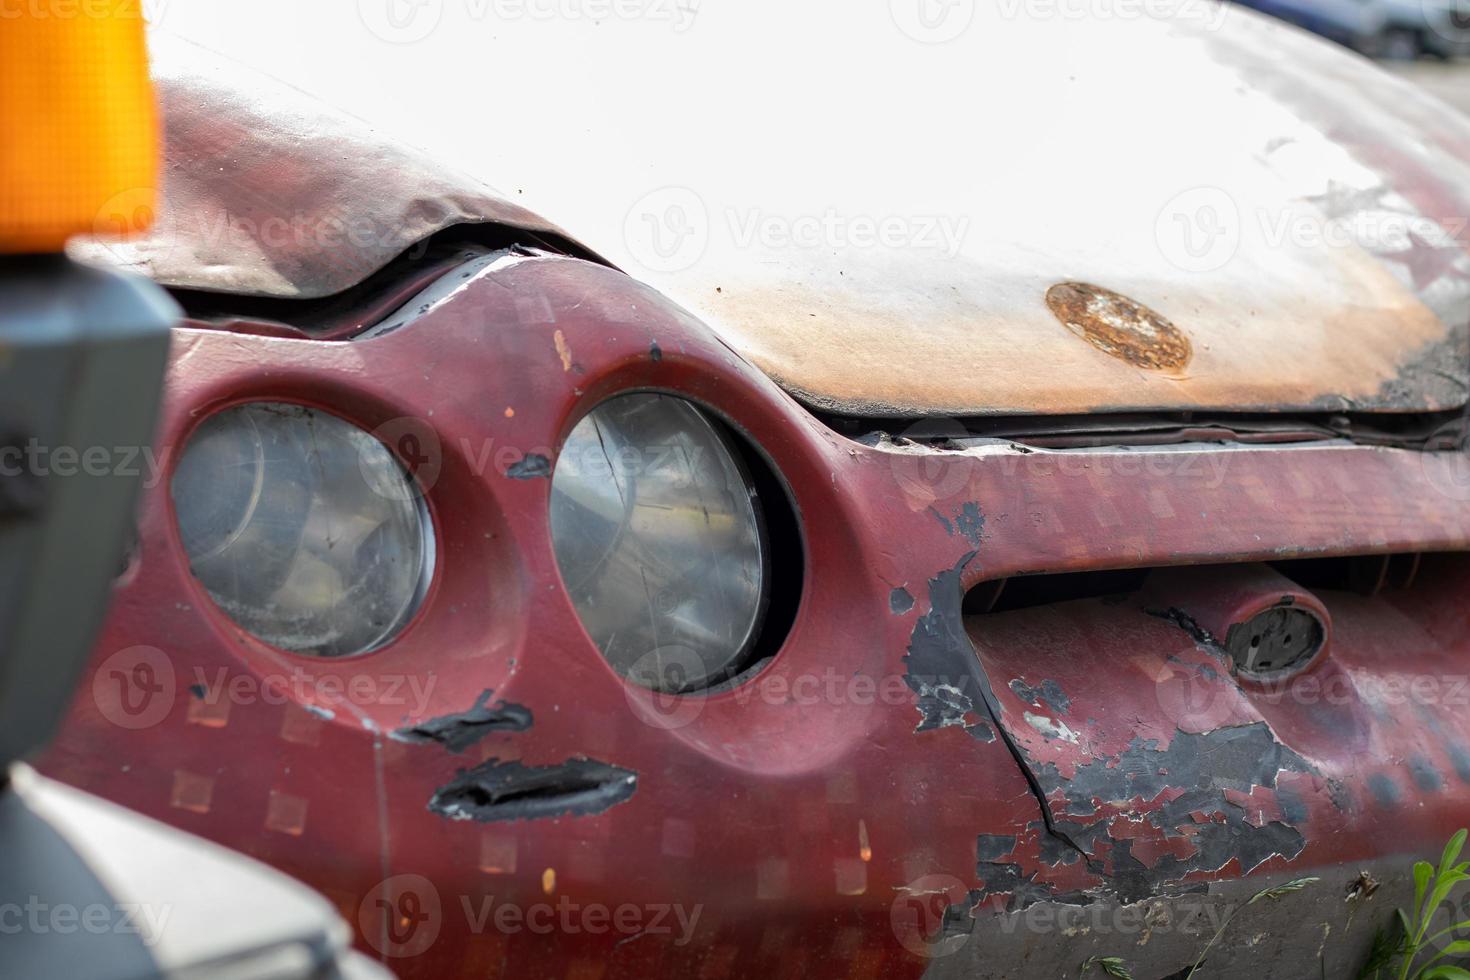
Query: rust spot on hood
[1119,326]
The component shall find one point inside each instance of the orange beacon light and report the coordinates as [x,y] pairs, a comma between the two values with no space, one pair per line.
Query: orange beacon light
[78,127]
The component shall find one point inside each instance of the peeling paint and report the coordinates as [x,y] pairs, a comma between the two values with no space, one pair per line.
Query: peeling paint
[969,522]
[532,466]
[1191,777]
[993,847]
[940,665]
[459,731]
[562,350]
[1051,728]
[1048,693]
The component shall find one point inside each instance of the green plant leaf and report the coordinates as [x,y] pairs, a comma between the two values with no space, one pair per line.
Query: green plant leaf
[1445,973]
[1451,852]
[1442,888]
[1295,885]
[1423,871]
[1113,966]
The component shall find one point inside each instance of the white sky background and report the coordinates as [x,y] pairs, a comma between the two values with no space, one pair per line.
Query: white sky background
[871,106]
[466,91]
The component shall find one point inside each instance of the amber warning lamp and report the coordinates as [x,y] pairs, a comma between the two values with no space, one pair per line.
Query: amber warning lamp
[78,131]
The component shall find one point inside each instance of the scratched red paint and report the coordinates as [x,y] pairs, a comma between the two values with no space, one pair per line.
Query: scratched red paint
[718,818]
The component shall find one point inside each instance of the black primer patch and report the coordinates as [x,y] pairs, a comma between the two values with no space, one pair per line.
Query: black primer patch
[940,666]
[1426,777]
[1048,692]
[1460,759]
[496,790]
[655,352]
[943,521]
[981,731]
[532,466]
[993,847]
[970,522]
[900,601]
[1293,807]
[1055,851]
[1383,790]
[459,732]
[1024,889]
[1204,766]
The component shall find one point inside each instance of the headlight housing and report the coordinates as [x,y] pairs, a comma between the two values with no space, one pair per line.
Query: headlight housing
[303,528]
[660,540]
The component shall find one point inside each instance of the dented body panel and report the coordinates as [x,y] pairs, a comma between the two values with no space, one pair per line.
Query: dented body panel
[901,776]
[270,192]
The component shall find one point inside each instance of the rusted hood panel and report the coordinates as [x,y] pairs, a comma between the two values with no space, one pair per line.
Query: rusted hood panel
[1286,205]
[887,246]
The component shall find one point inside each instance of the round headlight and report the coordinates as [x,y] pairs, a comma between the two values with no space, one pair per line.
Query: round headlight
[660,541]
[303,528]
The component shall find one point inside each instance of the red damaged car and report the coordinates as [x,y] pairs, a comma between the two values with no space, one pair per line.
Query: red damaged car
[1004,516]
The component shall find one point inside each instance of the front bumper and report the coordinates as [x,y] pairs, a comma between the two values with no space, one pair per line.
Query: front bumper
[877,790]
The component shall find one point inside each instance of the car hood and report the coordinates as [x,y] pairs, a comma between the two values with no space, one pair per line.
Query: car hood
[1036,215]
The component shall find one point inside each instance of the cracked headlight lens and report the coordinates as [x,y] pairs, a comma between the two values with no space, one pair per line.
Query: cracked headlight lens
[303,528]
[660,541]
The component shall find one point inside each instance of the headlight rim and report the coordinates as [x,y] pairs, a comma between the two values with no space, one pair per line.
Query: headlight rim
[428,520]
[757,653]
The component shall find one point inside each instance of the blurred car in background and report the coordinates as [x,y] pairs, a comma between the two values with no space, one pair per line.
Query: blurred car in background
[1394,30]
